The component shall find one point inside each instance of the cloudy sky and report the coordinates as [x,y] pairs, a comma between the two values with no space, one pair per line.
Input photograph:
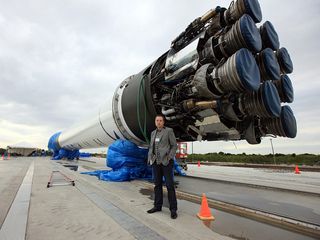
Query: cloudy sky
[60,60]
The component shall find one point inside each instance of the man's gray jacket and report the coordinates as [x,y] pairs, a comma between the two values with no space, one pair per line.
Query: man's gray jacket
[167,146]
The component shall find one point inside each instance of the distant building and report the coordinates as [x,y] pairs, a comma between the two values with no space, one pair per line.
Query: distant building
[22,148]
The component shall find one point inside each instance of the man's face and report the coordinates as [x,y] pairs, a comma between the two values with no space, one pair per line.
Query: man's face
[159,122]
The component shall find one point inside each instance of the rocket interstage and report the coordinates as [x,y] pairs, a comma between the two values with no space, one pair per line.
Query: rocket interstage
[223,78]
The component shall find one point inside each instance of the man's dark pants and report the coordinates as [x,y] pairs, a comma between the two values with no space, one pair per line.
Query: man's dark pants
[160,170]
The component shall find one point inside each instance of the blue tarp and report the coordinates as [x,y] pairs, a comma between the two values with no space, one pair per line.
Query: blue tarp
[64,153]
[85,154]
[59,153]
[54,145]
[128,162]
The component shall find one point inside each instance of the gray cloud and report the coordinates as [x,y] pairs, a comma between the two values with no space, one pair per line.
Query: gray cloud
[59,60]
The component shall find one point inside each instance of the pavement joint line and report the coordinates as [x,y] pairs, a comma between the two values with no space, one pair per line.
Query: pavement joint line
[275,220]
[15,224]
[22,172]
[129,223]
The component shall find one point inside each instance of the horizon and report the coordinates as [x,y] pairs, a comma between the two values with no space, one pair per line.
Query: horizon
[61,61]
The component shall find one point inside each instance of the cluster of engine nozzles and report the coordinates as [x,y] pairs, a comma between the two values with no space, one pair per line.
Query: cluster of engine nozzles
[245,64]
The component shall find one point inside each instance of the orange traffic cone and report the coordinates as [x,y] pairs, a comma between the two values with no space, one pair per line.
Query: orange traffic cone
[297,171]
[198,163]
[205,213]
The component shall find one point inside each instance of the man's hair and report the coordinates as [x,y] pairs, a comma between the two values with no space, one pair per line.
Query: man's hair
[161,115]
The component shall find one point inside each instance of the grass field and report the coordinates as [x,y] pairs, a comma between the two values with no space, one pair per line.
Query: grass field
[301,159]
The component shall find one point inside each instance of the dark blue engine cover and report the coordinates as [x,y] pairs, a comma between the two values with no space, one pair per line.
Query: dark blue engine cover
[287,89]
[271,65]
[253,9]
[247,69]
[269,36]
[250,33]
[288,122]
[284,59]
[271,99]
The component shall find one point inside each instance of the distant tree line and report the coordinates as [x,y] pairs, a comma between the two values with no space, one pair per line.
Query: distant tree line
[2,151]
[306,158]
[99,155]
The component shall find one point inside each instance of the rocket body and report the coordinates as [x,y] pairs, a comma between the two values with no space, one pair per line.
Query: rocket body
[223,78]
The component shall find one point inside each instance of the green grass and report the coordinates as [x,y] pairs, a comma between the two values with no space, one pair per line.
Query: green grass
[300,159]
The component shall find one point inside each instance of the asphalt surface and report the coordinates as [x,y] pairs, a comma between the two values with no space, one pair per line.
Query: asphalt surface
[299,206]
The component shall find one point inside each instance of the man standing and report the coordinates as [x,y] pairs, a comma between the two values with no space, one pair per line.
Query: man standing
[162,150]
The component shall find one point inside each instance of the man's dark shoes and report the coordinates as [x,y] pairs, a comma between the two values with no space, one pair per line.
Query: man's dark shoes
[174,215]
[153,210]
